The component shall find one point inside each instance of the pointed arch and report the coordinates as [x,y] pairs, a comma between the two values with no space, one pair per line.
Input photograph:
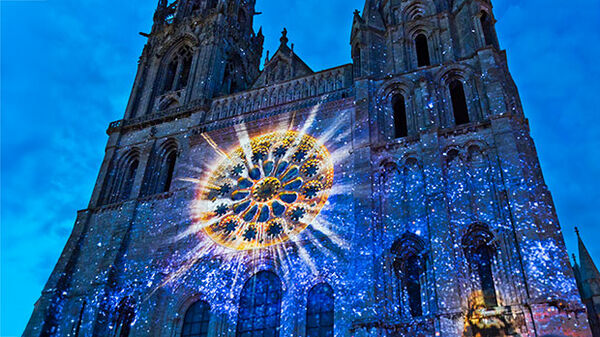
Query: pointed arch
[161,169]
[417,10]
[479,248]
[422,49]
[177,65]
[320,311]
[120,180]
[410,268]
[260,306]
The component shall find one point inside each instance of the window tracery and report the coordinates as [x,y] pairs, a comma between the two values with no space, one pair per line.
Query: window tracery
[320,311]
[410,268]
[260,306]
[196,320]
[178,70]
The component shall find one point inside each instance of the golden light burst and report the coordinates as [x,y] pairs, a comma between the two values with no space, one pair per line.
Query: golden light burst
[267,190]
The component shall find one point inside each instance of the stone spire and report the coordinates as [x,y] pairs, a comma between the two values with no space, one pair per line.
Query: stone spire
[587,268]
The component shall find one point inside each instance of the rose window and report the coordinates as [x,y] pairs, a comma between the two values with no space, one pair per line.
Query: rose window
[267,191]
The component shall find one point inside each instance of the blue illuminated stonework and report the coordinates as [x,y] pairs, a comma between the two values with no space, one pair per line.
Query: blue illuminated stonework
[399,195]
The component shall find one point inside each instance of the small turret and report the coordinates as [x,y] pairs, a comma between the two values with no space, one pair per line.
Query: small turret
[588,282]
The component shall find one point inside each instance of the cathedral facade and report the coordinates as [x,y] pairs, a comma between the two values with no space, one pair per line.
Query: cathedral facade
[398,195]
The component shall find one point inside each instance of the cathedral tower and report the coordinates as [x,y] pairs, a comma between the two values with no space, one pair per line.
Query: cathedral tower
[399,195]
[197,50]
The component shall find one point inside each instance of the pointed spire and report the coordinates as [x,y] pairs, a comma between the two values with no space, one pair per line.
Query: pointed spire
[587,268]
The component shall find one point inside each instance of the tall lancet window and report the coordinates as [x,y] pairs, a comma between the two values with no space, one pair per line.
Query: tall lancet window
[125,192]
[487,28]
[125,318]
[168,168]
[260,306]
[357,62]
[400,120]
[482,263]
[459,102]
[159,173]
[319,311]
[410,268]
[422,48]
[178,70]
[479,251]
[120,181]
[196,319]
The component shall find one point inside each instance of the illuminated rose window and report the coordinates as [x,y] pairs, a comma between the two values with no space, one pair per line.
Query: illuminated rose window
[267,191]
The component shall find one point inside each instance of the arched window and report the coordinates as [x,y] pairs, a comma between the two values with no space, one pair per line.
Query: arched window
[178,70]
[233,77]
[410,268]
[478,248]
[260,306]
[159,174]
[168,170]
[357,62]
[400,122]
[319,311]
[459,102]
[422,50]
[120,180]
[412,281]
[125,317]
[196,319]
[482,260]
[125,192]
[487,29]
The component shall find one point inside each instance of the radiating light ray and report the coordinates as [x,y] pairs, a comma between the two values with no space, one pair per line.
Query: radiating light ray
[244,140]
[214,145]
[201,210]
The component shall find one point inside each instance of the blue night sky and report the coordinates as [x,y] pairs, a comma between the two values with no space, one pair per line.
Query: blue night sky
[68,67]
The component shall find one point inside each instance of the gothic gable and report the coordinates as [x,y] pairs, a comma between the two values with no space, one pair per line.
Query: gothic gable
[285,65]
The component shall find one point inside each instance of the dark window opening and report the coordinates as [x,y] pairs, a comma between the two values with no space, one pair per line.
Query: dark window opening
[184,74]
[422,50]
[196,5]
[400,120]
[483,263]
[459,103]
[260,306]
[486,26]
[125,318]
[196,319]
[234,79]
[129,180]
[320,311]
[241,18]
[357,63]
[178,71]
[169,169]
[170,79]
[413,285]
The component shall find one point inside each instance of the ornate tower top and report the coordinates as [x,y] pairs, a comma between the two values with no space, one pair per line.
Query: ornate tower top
[197,50]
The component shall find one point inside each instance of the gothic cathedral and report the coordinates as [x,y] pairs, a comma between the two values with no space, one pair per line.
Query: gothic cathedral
[398,195]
